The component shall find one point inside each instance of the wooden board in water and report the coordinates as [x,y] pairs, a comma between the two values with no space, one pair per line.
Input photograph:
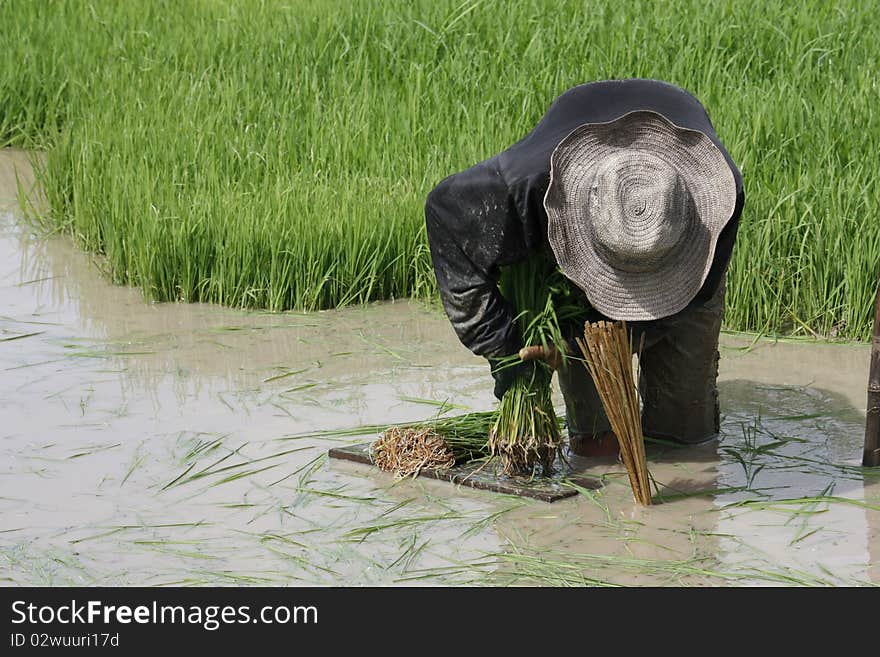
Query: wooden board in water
[540,488]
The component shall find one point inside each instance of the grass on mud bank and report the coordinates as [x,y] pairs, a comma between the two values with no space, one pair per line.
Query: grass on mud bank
[277,154]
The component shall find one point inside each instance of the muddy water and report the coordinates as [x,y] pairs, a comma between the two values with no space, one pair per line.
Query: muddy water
[156,444]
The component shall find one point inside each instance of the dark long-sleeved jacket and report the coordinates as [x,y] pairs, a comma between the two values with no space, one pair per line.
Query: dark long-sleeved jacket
[492,214]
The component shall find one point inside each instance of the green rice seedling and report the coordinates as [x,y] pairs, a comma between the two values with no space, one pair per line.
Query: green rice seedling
[443,406]
[361,533]
[19,337]
[570,568]
[784,505]
[409,555]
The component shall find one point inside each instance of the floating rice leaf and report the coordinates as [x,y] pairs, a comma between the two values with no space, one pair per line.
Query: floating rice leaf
[21,336]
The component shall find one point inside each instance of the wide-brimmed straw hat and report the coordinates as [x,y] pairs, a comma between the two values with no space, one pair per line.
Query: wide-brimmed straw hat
[635,207]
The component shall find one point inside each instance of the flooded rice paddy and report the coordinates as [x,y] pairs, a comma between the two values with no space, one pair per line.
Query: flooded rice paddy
[157,444]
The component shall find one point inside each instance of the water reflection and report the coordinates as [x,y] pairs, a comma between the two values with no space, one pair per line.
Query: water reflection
[795,449]
[779,499]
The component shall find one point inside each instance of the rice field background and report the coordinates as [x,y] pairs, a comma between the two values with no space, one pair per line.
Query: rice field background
[277,154]
[186,444]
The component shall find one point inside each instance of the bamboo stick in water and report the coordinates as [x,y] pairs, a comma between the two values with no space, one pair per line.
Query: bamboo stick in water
[871,456]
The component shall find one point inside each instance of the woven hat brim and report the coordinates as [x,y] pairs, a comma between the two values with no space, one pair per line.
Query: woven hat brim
[626,295]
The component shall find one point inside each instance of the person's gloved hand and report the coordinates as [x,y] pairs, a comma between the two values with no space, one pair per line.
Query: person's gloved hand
[506,370]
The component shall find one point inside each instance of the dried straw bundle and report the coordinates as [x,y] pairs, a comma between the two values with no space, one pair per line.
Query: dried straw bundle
[608,352]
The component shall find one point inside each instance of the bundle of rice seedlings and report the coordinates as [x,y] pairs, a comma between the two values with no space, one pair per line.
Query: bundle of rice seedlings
[607,351]
[527,431]
[433,444]
[405,451]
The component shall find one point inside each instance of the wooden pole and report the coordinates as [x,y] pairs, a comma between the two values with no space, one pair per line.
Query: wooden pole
[871,457]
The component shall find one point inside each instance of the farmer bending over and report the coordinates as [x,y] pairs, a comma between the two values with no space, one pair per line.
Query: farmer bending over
[627,186]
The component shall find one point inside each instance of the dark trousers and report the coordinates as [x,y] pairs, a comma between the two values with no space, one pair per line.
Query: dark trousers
[678,381]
